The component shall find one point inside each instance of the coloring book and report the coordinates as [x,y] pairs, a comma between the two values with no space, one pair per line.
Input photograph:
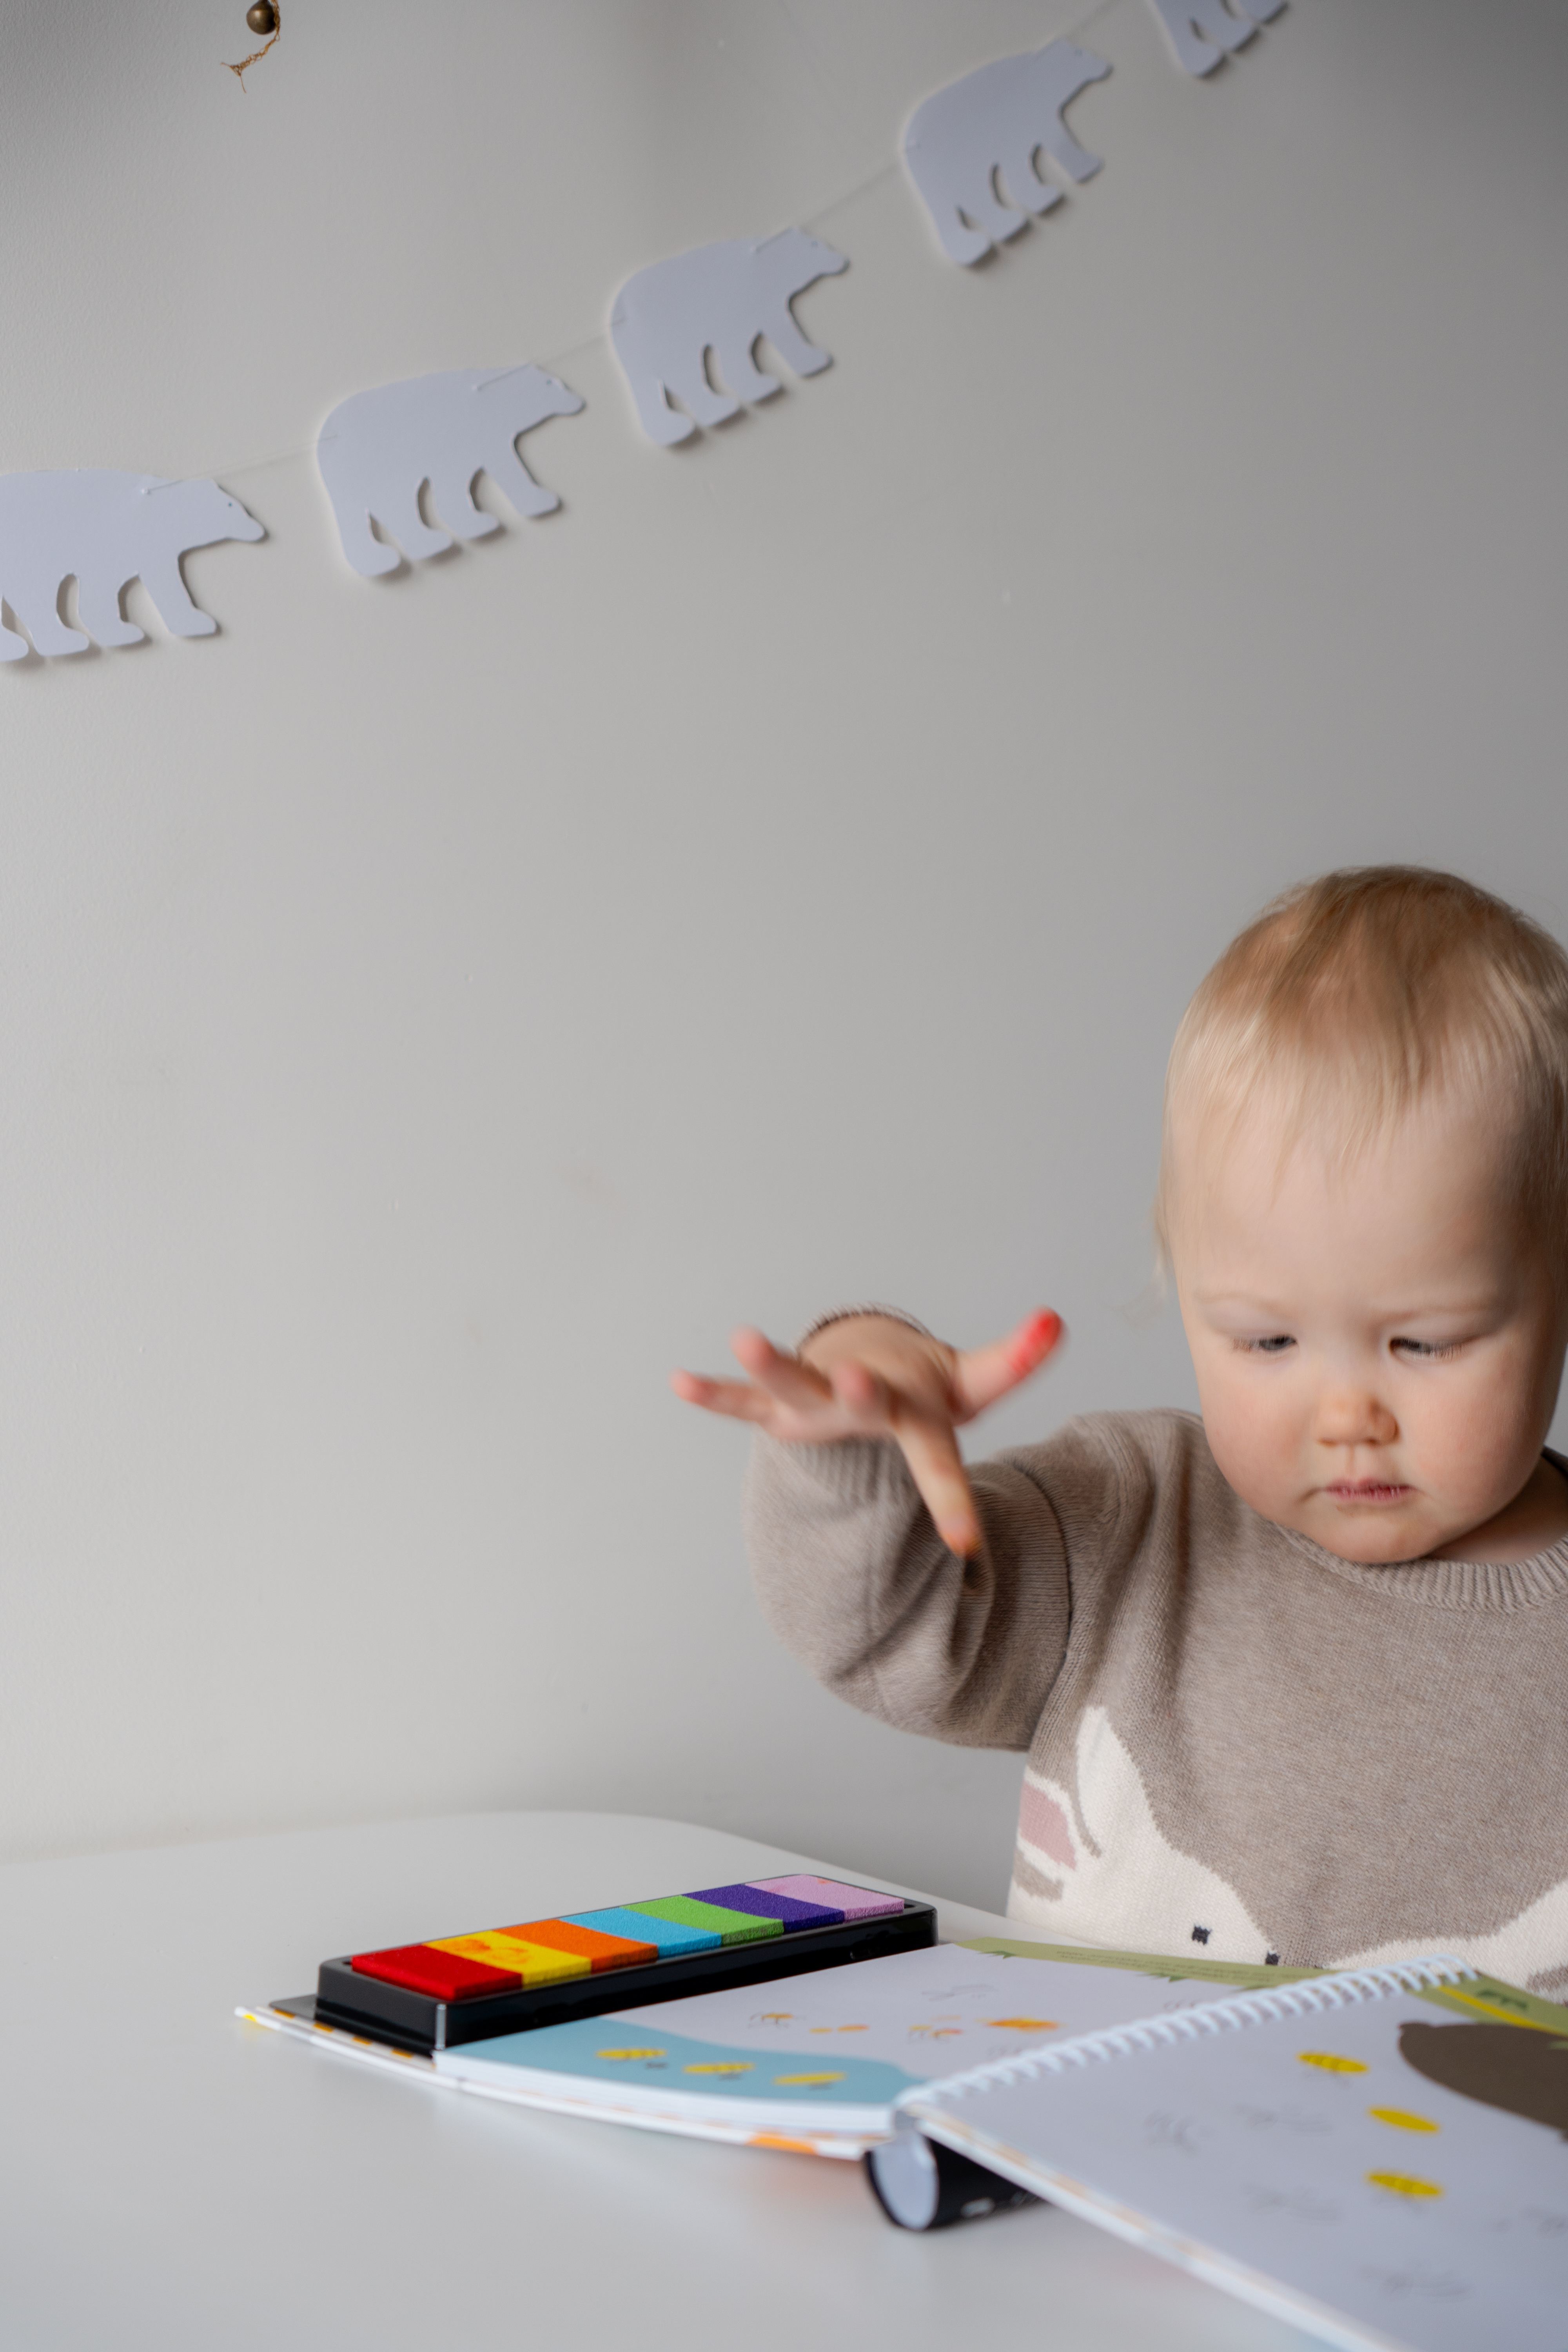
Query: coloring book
[1381,2158]
[813,2062]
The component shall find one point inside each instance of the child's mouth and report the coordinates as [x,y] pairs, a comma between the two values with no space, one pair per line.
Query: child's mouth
[1367,1490]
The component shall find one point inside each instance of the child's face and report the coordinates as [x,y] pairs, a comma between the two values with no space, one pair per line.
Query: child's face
[1378,1350]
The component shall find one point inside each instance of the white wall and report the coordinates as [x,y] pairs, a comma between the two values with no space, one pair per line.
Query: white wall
[432,1008]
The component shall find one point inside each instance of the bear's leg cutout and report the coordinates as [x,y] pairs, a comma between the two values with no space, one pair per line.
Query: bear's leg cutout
[696,393]
[991,216]
[11,647]
[742,373]
[1078,162]
[369,556]
[37,605]
[402,517]
[99,603]
[792,346]
[1027,185]
[516,485]
[453,496]
[659,421]
[959,241]
[178,611]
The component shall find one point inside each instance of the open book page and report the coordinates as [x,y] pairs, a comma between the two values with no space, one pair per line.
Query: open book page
[825,2052]
[1394,2172]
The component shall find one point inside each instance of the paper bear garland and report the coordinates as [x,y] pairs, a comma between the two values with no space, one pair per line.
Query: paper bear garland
[721,298]
[1202,32]
[377,451]
[994,122]
[972,152]
[106,528]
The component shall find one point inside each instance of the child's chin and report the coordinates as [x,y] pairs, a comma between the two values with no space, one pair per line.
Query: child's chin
[1381,1537]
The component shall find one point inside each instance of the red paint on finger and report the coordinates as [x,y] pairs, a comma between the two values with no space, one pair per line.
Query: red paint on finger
[1033,1341]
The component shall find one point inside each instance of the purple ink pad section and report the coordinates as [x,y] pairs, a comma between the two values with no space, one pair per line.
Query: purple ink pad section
[788,1909]
[852,1902]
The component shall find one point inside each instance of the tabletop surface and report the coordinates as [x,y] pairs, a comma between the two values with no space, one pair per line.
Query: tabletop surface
[174,2180]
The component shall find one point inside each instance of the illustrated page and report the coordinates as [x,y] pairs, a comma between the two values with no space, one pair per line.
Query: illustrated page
[861,2034]
[1404,2165]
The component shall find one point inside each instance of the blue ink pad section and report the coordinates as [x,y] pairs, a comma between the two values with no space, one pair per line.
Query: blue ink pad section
[673,1937]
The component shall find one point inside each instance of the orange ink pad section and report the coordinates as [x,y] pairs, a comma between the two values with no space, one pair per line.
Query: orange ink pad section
[599,1950]
[445,1976]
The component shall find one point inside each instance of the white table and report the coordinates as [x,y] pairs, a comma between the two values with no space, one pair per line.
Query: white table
[174,2180]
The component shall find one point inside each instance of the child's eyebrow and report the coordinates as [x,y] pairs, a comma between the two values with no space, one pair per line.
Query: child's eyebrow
[1249,1301]
[1463,1305]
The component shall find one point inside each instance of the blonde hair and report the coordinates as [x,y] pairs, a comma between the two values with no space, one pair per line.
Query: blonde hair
[1356,997]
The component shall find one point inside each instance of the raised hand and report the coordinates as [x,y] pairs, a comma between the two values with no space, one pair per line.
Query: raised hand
[870,1376]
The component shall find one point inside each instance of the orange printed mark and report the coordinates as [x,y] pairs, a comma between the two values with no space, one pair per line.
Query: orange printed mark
[1329,2064]
[1033,1342]
[1023,2024]
[1402,2121]
[778,2017]
[775,2140]
[808,2078]
[1404,2184]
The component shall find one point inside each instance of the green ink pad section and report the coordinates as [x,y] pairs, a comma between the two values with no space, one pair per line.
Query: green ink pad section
[709,1918]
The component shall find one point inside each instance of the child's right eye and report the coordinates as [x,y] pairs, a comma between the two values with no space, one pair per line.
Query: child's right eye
[1275,1345]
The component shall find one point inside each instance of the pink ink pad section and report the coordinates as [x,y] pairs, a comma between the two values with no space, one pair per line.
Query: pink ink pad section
[855,1902]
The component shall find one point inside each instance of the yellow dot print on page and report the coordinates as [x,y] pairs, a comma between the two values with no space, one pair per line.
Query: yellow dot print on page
[1023,2024]
[630,2053]
[1404,2184]
[1402,2121]
[721,2066]
[1329,2064]
[808,2078]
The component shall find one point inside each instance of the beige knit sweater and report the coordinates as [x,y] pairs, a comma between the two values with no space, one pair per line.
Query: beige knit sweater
[1234,1739]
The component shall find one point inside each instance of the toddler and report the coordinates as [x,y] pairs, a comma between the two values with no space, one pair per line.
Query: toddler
[1291,1677]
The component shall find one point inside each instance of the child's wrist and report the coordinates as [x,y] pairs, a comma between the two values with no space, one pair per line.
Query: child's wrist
[849,1314]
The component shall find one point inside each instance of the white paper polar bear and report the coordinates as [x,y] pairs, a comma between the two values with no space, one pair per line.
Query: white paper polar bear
[107,530]
[721,298]
[996,120]
[1204,31]
[378,450]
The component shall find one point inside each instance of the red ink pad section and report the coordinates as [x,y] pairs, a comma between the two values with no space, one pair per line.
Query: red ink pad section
[599,1950]
[445,1976]
[786,1909]
[853,1902]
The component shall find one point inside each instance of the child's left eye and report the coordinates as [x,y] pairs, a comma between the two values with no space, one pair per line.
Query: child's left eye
[1429,1350]
[1275,1345]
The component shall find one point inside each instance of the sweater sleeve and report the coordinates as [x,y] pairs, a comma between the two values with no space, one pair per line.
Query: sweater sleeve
[854,1578]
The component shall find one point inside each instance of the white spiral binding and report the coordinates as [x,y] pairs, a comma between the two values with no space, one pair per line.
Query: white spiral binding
[1310,2000]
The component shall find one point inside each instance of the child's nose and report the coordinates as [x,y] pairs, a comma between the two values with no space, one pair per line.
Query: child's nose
[1352,1416]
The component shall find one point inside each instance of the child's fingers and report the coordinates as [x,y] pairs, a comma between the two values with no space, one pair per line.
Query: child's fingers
[739,1399]
[932,1452]
[863,1397]
[786,1378]
[984,1374]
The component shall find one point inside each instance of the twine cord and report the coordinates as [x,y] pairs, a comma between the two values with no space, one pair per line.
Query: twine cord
[240,70]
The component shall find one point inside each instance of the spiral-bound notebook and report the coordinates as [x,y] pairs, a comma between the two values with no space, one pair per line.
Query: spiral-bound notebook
[1381,2158]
